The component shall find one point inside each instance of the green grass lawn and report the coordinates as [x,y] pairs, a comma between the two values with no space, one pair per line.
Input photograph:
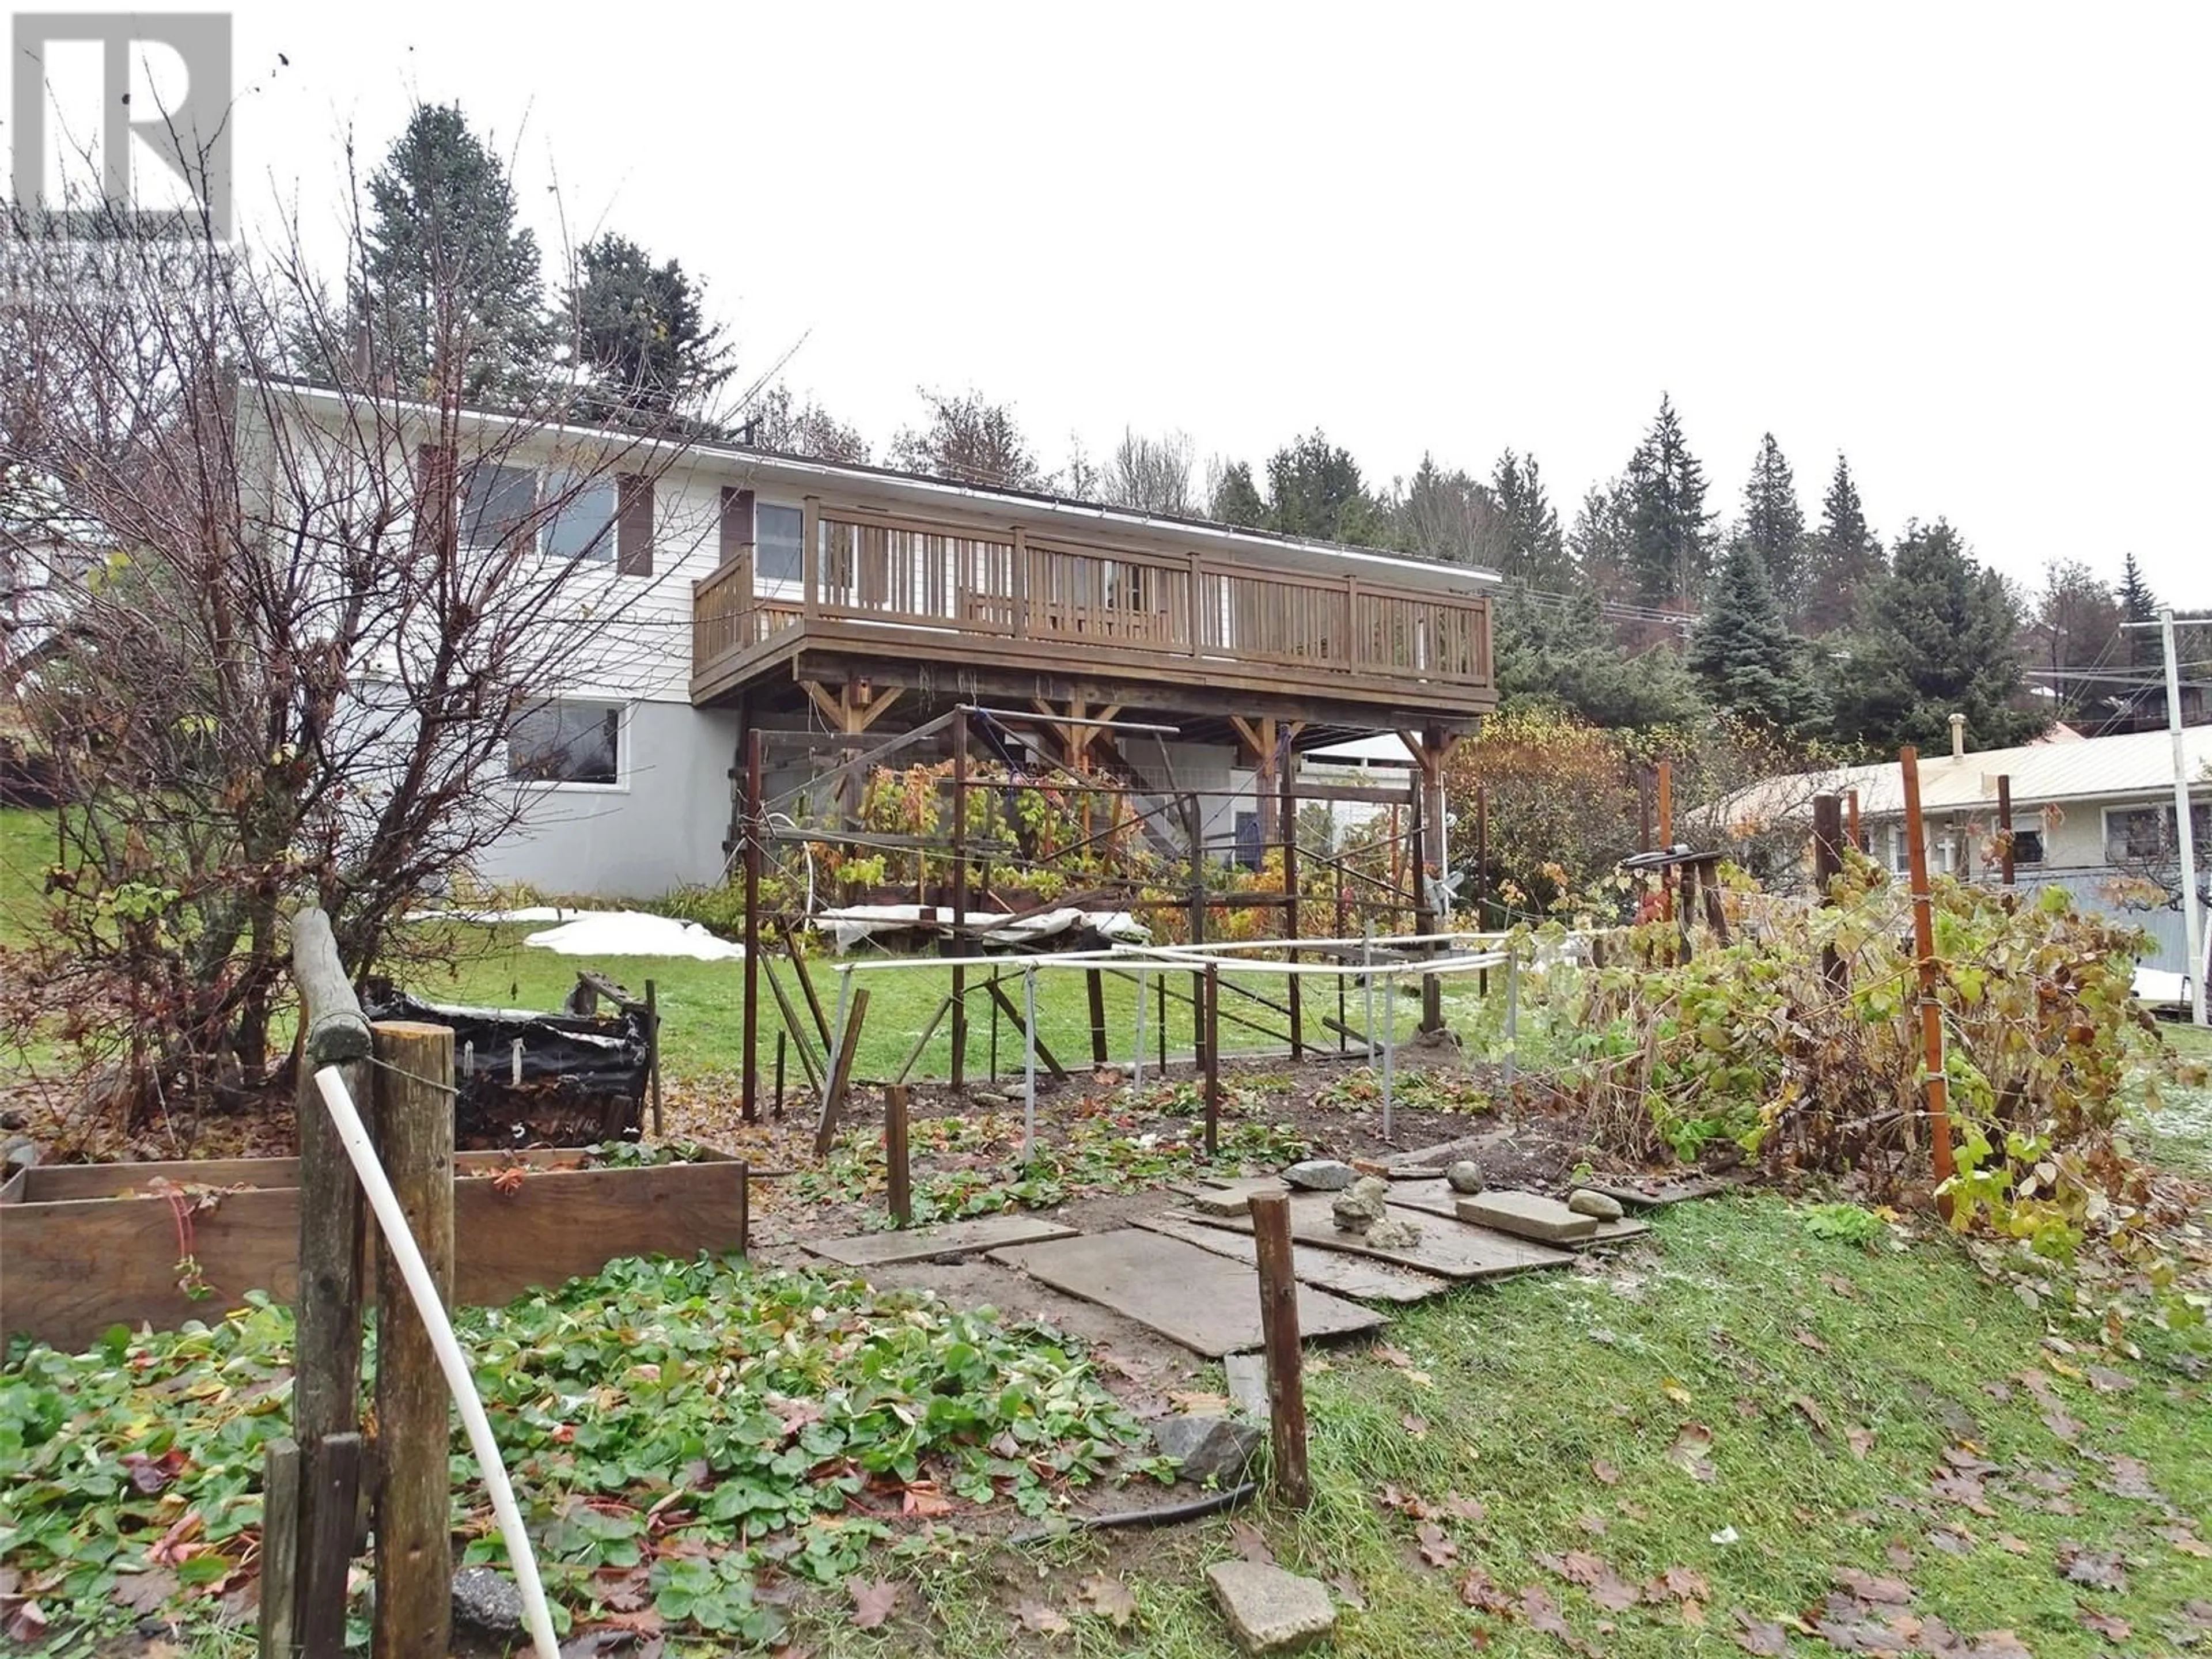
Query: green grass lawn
[1571,1408]
[702,1005]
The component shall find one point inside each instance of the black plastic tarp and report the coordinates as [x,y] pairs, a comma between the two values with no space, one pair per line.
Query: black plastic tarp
[583,1077]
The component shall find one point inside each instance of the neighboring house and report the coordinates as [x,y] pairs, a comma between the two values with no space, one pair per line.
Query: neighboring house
[2094,815]
[854,603]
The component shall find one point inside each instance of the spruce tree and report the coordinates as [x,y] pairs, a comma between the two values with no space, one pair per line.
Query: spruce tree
[1670,533]
[641,332]
[1773,522]
[1559,653]
[448,279]
[1743,653]
[1598,543]
[1314,489]
[1234,499]
[1845,556]
[2139,605]
[1535,548]
[1941,636]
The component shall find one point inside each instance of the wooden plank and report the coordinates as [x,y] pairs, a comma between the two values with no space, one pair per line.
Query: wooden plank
[996,987]
[565,1223]
[841,1075]
[414,1427]
[1449,1250]
[938,1243]
[329,1477]
[1332,1270]
[280,1544]
[1205,1302]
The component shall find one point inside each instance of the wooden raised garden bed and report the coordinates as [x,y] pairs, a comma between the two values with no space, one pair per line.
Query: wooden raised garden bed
[84,1247]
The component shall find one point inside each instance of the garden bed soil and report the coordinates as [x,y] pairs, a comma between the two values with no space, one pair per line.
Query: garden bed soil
[91,1246]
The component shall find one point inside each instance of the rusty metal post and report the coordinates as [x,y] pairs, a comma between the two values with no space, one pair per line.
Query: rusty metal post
[2004,827]
[957,943]
[1924,934]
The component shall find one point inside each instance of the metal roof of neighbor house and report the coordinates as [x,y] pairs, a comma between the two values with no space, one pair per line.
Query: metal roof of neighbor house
[2134,763]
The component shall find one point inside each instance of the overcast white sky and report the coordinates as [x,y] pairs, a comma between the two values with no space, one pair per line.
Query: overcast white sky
[1963,243]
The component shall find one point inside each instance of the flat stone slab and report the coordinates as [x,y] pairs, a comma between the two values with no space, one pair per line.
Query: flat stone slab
[934,1243]
[1446,1249]
[1207,1302]
[1248,1382]
[1333,1270]
[1231,1197]
[1434,1197]
[1658,1193]
[1269,1610]
[1528,1215]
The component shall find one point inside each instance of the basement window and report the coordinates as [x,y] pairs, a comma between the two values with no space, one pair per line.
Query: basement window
[567,742]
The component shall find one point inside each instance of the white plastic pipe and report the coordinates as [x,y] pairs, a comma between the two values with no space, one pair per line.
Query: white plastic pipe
[416,1273]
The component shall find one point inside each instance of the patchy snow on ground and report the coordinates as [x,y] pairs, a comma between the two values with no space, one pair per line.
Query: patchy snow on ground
[632,933]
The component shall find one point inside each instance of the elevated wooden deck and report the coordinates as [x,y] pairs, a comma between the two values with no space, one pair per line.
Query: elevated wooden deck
[897,591]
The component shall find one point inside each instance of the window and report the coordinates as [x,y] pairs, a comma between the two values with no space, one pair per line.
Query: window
[2147,832]
[777,535]
[583,527]
[1250,851]
[496,501]
[2026,845]
[567,743]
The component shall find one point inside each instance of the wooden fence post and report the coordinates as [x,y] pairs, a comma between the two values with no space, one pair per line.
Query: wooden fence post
[280,1547]
[327,1303]
[1278,1339]
[749,1107]
[1211,1021]
[2004,827]
[652,1051]
[414,1429]
[897,1173]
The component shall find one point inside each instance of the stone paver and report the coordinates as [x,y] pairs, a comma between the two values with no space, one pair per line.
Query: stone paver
[1269,1610]
[1528,1215]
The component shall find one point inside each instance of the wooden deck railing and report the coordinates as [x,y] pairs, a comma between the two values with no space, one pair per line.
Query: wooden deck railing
[867,568]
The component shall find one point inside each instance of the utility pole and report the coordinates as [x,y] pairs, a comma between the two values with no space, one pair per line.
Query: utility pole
[2184,832]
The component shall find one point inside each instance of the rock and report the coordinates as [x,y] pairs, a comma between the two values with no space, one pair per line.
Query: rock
[1362,1207]
[989,1097]
[1583,1201]
[1393,1234]
[1464,1176]
[485,1601]
[1208,1447]
[1247,1384]
[1269,1610]
[1321,1175]
[21,1152]
[13,1120]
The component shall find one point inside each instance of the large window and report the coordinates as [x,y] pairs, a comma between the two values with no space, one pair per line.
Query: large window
[777,535]
[2134,834]
[495,502]
[567,742]
[584,527]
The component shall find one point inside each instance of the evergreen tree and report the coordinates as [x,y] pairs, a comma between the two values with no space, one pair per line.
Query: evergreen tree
[1670,533]
[1561,654]
[1314,489]
[448,278]
[1234,499]
[1773,522]
[1940,636]
[1744,654]
[1599,542]
[1535,551]
[2076,627]
[641,331]
[1845,556]
[2139,605]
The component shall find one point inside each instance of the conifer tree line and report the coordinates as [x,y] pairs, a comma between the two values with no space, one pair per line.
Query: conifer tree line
[1654,601]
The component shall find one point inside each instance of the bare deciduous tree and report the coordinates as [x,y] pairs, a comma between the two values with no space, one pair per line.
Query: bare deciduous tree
[777,422]
[1151,475]
[970,439]
[311,620]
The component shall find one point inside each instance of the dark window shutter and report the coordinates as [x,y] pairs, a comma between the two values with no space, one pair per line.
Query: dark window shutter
[737,522]
[634,525]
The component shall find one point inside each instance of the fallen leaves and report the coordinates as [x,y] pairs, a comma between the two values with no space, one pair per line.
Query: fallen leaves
[1604,1473]
[1108,1598]
[1435,1544]
[1761,1636]
[1040,1619]
[2096,1569]
[874,1600]
[1688,1453]
[1245,1538]
[1868,1587]
[2108,1626]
